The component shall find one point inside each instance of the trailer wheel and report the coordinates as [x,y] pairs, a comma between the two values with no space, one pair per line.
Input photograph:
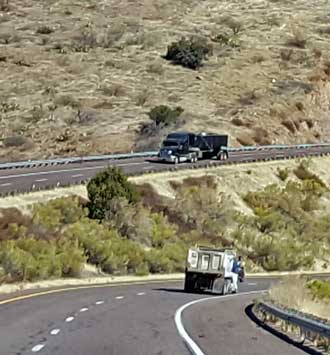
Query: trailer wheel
[193,159]
[176,160]
[223,156]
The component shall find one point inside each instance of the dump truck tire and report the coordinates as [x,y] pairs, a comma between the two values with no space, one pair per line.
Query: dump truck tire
[189,284]
[225,288]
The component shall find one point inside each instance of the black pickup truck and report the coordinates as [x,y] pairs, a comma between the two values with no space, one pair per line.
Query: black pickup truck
[185,146]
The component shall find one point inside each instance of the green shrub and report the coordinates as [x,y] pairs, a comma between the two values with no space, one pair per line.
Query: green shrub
[303,173]
[104,187]
[105,248]
[50,217]
[44,30]
[320,289]
[176,253]
[158,262]
[283,173]
[162,231]
[132,221]
[142,270]
[28,259]
[164,115]
[189,53]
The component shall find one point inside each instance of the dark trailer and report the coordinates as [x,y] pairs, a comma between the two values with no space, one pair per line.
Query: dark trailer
[212,144]
[185,146]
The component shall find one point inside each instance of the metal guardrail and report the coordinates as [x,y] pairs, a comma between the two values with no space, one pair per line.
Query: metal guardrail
[305,324]
[63,161]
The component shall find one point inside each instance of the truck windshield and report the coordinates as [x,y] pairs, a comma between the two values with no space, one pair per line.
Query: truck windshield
[178,136]
[170,144]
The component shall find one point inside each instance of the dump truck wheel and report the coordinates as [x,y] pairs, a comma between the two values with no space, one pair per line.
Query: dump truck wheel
[226,286]
[189,284]
[218,285]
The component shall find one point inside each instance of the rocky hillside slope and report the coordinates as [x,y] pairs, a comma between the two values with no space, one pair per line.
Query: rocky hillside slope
[80,77]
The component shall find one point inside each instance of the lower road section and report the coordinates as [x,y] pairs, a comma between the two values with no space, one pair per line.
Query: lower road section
[223,327]
[136,319]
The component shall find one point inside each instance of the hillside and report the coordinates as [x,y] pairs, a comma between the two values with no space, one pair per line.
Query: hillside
[80,77]
[276,214]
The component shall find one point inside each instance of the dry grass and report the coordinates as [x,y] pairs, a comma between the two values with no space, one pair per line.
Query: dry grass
[103,56]
[293,293]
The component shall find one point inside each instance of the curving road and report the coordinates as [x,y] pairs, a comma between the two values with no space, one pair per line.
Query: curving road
[135,319]
[27,179]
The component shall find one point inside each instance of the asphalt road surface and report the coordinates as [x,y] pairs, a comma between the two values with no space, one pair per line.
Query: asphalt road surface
[136,319]
[22,180]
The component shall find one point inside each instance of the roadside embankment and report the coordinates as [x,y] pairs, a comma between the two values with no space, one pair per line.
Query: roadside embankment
[309,297]
[274,214]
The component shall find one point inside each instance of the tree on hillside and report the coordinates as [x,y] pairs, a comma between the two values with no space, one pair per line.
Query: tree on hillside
[105,186]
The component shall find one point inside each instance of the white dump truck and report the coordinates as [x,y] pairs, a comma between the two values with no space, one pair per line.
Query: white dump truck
[209,269]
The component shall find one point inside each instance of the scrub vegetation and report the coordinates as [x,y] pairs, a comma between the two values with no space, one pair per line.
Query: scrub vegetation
[81,77]
[311,297]
[127,228]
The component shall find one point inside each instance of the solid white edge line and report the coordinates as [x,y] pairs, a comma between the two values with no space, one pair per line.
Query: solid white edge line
[178,318]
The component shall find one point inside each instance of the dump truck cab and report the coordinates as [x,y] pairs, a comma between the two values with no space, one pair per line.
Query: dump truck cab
[207,269]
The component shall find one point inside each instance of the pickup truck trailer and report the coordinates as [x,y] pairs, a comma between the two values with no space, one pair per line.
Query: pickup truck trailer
[205,270]
[189,147]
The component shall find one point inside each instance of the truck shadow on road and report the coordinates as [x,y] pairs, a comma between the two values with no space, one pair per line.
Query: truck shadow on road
[180,290]
[308,350]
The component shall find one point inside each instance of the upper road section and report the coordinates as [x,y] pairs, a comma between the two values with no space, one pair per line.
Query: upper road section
[41,177]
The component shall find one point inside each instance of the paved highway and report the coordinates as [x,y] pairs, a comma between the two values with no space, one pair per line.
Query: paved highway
[22,180]
[136,319]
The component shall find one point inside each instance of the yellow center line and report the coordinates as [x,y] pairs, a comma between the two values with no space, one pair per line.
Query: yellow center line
[48,292]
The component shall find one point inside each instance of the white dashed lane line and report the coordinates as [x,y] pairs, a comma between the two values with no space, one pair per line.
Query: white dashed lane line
[54,331]
[37,348]
[252,283]
[77,175]
[41,180]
